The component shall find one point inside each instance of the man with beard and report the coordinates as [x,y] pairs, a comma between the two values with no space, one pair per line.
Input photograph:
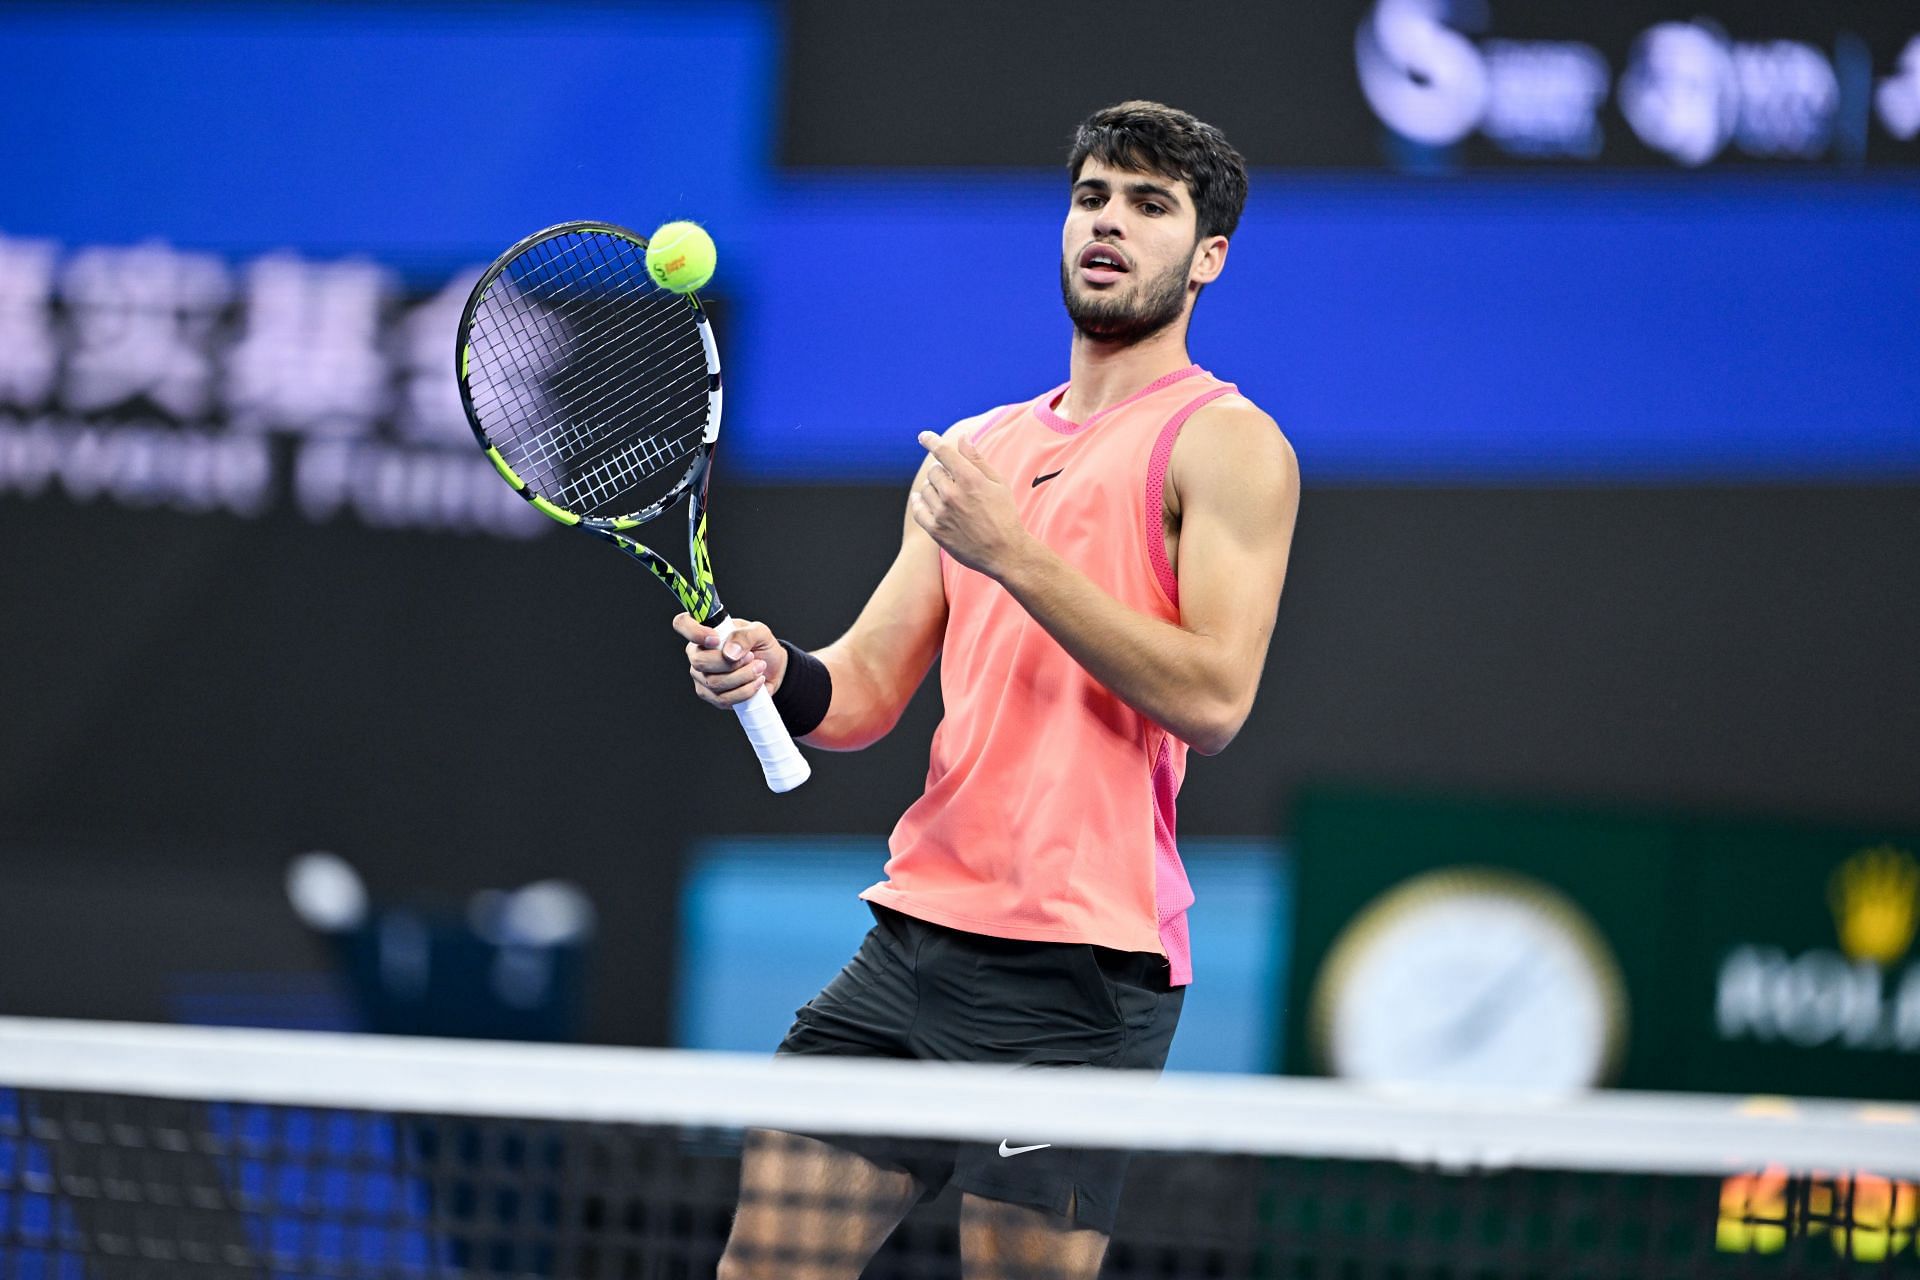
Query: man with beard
[1099,569]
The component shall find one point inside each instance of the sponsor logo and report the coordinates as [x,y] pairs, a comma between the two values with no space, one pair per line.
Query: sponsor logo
[1432,84]
[1858,996]
[1436,74]
[1039,480]
[1006,1150]
[1875,896]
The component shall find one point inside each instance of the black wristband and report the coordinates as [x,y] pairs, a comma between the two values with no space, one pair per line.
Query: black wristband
[805,692]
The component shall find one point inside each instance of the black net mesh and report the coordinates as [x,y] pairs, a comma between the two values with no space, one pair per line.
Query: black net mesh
[124,1186]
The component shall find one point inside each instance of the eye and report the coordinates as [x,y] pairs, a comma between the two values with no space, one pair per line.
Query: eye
[1149,207]
[1089,201]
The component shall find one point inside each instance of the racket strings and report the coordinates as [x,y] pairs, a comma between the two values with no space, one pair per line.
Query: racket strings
[636,335]
[621,346]
[576,439]
[618,472]
[586,483]
[590,379]
[604,465]
[603,421]
[519,282]
[668,394]
[669,308]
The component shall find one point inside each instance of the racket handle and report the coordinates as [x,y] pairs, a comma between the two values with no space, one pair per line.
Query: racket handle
[780,760]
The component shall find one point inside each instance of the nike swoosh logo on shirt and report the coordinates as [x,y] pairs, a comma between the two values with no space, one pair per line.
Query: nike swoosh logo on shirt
[1006,1150]
[1037,480]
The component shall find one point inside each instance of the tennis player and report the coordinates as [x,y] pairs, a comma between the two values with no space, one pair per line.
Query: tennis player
[1099,569]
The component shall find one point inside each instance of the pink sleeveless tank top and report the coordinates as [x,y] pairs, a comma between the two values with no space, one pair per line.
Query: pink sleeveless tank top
[1049,808]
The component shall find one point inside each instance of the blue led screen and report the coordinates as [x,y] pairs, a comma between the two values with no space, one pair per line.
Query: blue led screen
[1539,328]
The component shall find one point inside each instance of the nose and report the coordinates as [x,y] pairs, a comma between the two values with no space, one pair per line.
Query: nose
[1106,223]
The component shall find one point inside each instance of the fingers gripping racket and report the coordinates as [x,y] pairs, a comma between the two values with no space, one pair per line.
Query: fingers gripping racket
[596,394]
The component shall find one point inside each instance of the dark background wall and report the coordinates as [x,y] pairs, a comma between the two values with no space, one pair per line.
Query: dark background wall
[988,84]
[191,701]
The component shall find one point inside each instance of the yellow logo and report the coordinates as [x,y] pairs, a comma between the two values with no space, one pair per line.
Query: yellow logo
[1875,896]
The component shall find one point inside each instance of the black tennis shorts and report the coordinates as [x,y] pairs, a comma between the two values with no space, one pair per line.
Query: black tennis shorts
[920,990]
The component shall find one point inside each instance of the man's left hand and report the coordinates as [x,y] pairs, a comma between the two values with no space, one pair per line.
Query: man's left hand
[966,507]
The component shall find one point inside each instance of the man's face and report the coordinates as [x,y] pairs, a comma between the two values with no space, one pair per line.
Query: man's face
[1127,252]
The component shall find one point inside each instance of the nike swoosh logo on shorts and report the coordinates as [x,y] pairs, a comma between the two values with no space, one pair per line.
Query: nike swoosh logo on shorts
[1006,1150]
[1037,481]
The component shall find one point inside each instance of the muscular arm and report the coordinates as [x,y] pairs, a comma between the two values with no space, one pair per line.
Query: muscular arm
[884,655]
[1236,486]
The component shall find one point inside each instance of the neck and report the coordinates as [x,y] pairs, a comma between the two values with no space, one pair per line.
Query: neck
[1102,374]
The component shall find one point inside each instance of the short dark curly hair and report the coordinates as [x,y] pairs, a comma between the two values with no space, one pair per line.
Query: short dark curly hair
[1151,137]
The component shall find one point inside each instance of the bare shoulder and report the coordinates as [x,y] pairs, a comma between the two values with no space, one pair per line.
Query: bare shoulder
[1232,441]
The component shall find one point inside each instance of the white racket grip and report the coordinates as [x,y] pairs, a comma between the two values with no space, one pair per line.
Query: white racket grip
[780,760]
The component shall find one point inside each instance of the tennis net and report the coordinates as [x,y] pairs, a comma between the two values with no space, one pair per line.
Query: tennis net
[137,1151]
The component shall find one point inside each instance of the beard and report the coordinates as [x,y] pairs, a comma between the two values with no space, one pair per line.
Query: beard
[1157,304]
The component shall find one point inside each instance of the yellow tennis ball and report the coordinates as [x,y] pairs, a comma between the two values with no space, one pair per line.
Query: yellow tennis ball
[680,256]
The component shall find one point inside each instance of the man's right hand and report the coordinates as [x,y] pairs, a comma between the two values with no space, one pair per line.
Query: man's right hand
[727,673]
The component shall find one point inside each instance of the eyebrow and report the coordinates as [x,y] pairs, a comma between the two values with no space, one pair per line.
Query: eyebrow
[1134,188]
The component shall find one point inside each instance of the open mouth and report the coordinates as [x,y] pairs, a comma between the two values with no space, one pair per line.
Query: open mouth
[1102,264]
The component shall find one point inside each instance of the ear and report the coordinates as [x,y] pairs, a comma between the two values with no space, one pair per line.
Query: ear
[1209,260]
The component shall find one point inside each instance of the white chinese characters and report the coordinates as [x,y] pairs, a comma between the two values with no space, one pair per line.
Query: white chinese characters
[28,356]
[309,358]
[149,375]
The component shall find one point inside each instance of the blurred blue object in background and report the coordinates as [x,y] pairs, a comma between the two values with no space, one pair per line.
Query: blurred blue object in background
[765,922]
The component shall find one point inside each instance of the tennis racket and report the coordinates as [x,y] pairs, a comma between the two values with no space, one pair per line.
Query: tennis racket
[596,395]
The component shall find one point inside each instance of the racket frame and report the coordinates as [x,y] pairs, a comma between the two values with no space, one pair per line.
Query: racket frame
[696,592]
